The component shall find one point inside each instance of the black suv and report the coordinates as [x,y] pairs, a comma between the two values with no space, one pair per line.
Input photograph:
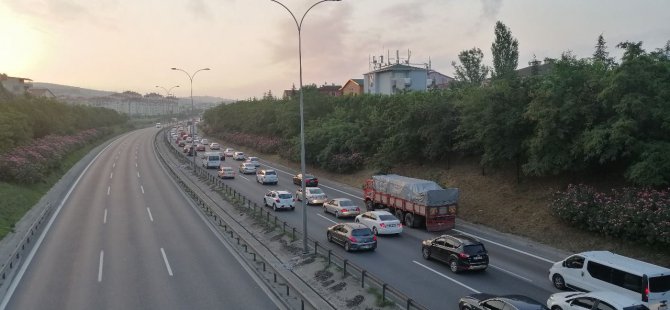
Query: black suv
[461,252]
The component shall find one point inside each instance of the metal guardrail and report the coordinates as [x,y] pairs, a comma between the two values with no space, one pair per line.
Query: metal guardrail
[389,294]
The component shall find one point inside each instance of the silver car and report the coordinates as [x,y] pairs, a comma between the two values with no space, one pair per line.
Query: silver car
[247,168]
[341,207]
[315,196]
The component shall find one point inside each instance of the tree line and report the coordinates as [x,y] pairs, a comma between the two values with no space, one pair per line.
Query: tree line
[569,115]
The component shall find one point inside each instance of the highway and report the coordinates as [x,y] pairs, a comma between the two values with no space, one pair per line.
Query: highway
[126,238]
[517,266]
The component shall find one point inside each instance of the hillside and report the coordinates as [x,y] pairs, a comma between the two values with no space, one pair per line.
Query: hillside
[71,91]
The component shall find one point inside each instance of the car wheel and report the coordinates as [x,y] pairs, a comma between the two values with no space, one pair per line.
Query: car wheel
[274,207]
[453,266]
[426,253]
[409,220]
[329,237]
[374,230]
[556,308]
[337,214]
[347,246]
[265,203]
[558,281]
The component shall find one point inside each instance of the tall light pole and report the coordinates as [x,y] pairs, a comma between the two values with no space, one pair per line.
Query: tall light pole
[190,77]
[167,93]
[298,25]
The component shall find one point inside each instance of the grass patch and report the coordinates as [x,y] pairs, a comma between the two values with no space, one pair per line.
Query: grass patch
[19,198]
[380,302]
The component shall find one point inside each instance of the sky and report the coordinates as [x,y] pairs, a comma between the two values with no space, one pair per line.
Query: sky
[251,46]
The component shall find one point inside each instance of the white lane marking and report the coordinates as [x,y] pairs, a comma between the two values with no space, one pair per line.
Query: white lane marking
[135,165]
[111,175]
[102,259]
[506,247]
[327,219]
[138,174]
[446,277]
[241,176]
[142,187]
[511,273]
[150,216]
[104,218]
[167,264]
[109,188]
[113,165]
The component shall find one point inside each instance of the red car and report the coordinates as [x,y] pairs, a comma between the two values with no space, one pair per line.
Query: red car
[310,180]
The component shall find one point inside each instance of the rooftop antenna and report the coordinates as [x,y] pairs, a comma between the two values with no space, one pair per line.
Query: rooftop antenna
[409,54]
[397,56]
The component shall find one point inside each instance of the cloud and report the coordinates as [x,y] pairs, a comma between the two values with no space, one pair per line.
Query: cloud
[489,12]
[404,13]
[63,12]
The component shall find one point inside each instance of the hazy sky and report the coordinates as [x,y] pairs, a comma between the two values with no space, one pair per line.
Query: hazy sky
[252,45]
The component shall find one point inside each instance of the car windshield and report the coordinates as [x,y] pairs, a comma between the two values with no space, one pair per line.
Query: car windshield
[474,249]
[214,158]
[361,232]
[285,196]
[315,191]
[270,172]
[387,217]
[346,203]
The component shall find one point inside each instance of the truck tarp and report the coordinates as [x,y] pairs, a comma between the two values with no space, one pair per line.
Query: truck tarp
[423,192]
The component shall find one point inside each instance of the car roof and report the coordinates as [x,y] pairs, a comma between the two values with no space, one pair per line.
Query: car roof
[282,192]
[226,167]
[463,238]
[355,225]
[247,164]
[522,302]
[312,188]
[341,199]
[622,262]
[380,212]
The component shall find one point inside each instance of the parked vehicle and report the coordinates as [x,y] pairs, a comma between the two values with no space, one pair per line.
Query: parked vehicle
[228,152]
[594,300]
[239,156]
[604,270]
[414,202]
[314,195]
[214,146]
[484,301]
[226,173]
[461,252]
[254,160]
[352,236]
[247,168]
[341,207]
[267,176]
[211,160]
[279,200]
[310,180]
[380,222]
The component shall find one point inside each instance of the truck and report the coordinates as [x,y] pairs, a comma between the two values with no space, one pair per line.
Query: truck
[415,202]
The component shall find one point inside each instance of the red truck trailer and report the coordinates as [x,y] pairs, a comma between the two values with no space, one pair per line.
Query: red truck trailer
[416,202]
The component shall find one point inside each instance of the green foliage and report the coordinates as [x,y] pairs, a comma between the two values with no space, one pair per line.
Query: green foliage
[471,71]
[505,51]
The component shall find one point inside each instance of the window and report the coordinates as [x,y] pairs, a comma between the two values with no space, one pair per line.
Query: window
[361,232]
[599,271]
[493,304]
[387,217]
[440,242]
[586,303]
[604,306]
[575,262]
[285,196]
[659,284]
[452,243]
[474,249]
[615,276]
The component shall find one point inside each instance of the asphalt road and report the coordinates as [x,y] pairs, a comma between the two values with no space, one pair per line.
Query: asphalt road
[517,266]
[126,238]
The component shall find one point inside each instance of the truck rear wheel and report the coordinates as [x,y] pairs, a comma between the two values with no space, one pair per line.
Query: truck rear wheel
[400,216]
[409,220]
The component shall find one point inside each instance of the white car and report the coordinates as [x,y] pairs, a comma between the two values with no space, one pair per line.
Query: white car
[226,173]
[239,156]
[247,168]
[279,200]
[254,160]
[267,176]
[594,300]
[214,146]
[204,141]
[314,195]
[381,222]
[228,152]
[341,207]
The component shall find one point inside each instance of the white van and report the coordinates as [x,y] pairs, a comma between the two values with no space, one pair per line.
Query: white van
[211,160]
[607,271]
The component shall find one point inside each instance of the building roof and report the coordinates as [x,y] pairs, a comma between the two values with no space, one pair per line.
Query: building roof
[7,77]
[41,92]
[358,81]
[398,67]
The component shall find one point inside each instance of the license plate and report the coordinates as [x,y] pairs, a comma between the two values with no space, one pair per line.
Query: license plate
[477,257]
[391,225]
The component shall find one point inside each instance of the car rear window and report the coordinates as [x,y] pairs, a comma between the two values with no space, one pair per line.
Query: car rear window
[214,157]
[346,203]
[659,284]
[474,249]
[315,191]
[285,196]
[361,232]
[387,217]
[270,172]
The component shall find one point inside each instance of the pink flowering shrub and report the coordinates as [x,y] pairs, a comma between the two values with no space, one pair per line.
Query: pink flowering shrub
[630,213]
[32,163]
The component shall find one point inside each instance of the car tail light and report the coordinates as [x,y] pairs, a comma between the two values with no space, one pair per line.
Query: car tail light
[645,288]
[463,255]
[374,238]
[357,209]
[382,225]
[400,225]
[277,200]
[352,239]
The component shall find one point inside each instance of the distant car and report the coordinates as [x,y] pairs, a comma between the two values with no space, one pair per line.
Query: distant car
[204,141]
[196,141]
[310,180]
[341,207]
[315,196]
[594,300]
[226,173]
[267,176]
[228,152]
[461,252]
[254,160]
[181,143]
[214,146]
[352,236]
[381,222]
[158,125]
[247,168]
[186,148]
[200,148]
[279,200]
[239,156]
[484,301]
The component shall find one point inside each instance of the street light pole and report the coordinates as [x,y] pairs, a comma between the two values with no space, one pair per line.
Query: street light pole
[190,77]
[167,94]
[298,25]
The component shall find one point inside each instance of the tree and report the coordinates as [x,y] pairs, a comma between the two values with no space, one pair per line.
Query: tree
[534,66]
[601,55]
[471,70]
[505,51]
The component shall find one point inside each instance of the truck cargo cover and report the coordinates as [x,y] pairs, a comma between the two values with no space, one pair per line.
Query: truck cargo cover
[419,191]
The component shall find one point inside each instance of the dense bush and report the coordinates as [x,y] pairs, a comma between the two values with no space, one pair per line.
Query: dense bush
[630,213]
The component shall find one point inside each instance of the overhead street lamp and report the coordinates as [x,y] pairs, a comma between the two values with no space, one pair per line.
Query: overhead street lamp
[298,25]
[190,77]
[167,93]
